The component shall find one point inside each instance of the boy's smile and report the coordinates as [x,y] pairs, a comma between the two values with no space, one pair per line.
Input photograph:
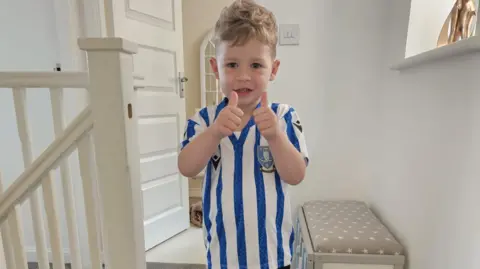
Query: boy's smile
[245,69]
[242,92]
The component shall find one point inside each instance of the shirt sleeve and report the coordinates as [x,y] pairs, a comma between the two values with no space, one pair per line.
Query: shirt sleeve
[194,126]
[294,130]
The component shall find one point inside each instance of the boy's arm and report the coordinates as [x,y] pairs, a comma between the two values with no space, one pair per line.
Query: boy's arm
[195,155]
[289,162]
[286,141]
[201,142]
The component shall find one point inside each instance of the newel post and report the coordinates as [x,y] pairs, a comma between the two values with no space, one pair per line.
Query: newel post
[113,104]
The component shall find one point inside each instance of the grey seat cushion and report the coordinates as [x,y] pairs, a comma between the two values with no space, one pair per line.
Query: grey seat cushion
[348,227]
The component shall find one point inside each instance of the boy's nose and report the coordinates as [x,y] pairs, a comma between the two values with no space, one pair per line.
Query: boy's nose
[243,75]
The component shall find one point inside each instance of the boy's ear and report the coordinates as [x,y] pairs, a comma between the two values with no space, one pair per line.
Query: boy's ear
[214,65]
[275,66]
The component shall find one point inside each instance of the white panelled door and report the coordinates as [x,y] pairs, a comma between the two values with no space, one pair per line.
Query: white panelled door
[156,26]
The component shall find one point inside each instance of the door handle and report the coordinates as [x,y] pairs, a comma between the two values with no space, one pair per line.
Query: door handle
[182,79]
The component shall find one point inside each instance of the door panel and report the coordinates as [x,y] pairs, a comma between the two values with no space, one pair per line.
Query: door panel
[158,134]
[148,102]
[149,166]
[158,66]
[157,10]
[156,26]
[165,187]
[163,226]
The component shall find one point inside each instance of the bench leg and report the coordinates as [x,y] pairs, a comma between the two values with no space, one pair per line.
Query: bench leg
[317,265]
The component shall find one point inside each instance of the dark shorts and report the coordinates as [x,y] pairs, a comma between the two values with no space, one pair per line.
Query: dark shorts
[285,267]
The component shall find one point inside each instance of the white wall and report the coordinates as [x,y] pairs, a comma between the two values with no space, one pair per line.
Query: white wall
[407,143]
[426,21]
[331,85]
[427,170]
[299,76]
[30,43]
[424,27]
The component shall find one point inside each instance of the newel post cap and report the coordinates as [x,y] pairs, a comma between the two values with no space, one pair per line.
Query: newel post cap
[107,43]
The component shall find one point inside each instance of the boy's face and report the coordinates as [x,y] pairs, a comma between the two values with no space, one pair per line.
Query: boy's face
[244,69]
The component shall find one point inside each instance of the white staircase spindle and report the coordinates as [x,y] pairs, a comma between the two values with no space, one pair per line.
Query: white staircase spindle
[16,234]
[12,237]
[3,254]
[91,201]
[8,258]
[52,220]
[56,96]
[19,97]
[7,238]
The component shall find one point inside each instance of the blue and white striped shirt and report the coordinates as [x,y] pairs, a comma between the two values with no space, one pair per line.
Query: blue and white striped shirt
[247,218]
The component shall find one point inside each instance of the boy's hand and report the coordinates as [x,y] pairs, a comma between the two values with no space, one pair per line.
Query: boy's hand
[229,119]
[266,119]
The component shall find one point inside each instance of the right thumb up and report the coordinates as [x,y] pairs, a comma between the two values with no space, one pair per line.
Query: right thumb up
[233,99]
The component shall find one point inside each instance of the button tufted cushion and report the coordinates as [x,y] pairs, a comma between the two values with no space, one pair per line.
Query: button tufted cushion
[348,227]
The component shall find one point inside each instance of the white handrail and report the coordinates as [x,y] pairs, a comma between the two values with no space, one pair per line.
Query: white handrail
[33,175]
[64,79]
[39,80]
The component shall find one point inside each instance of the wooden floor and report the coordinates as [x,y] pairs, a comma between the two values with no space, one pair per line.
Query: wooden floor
[186,248]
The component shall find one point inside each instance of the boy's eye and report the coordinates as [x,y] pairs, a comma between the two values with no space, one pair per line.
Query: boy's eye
[256,65]
[232,65]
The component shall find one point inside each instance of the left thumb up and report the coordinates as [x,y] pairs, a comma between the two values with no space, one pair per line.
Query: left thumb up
[264,100]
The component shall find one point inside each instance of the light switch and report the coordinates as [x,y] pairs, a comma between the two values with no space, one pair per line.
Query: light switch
[289,34]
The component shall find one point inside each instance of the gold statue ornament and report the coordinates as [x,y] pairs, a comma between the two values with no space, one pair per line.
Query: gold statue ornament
[459,22]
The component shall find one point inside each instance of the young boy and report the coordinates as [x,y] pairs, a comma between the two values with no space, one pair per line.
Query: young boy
[252,150]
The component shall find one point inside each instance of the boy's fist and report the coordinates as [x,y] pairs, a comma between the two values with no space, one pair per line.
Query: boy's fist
[229,119]
[266,120]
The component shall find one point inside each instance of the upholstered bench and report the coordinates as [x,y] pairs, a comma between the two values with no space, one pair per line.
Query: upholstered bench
[344,235]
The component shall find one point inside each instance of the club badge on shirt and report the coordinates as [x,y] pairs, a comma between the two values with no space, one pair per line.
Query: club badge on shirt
[265,159]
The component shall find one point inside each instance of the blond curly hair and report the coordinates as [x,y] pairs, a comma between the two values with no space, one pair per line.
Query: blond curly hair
[245,20]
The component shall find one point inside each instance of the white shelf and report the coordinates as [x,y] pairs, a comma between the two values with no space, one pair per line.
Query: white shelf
[462,47]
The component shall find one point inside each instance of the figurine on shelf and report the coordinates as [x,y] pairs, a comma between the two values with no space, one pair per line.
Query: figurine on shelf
[459,22]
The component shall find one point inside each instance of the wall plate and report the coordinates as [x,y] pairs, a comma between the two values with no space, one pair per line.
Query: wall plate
[289,34]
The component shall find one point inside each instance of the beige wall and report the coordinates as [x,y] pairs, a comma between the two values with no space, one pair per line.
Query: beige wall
[199,16]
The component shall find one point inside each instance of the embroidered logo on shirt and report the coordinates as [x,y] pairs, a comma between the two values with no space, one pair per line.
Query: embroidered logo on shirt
[216,161]
[298,125]
[265,159]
